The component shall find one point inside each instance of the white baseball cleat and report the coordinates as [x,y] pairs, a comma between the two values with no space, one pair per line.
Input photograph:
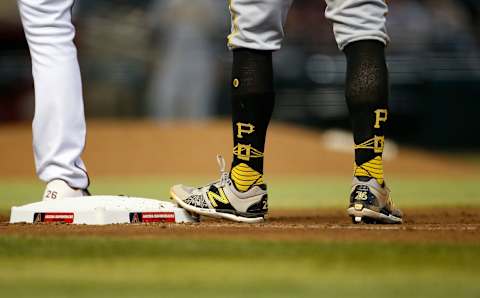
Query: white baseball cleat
[59,189]
[370,202]
[221,199]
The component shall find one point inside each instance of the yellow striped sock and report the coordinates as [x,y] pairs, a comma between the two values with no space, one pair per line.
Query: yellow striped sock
[244,177]
[372,168]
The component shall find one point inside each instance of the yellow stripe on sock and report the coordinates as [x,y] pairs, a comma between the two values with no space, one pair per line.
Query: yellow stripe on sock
[375,162]
[244,177]
[368,169]
[372,168]
[245,170]
[239,179]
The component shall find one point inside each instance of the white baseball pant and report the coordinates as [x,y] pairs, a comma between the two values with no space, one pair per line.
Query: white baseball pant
[258,24]
[59,123]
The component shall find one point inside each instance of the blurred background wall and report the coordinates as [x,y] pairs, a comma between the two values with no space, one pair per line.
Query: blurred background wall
[167,60]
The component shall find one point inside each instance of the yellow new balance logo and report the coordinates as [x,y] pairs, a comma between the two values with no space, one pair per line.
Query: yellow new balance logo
[213,197]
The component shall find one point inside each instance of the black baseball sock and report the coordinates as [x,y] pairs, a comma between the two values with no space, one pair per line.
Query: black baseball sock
[367,93]
[252,106]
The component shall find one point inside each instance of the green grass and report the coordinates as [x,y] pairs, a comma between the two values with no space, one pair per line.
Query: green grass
[292,192]
[106,267]
[84,266]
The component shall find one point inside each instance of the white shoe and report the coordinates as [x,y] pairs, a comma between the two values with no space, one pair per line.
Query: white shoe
[59,189]
[221,199]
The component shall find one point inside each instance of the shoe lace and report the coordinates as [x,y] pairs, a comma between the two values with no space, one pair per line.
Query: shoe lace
[224,175]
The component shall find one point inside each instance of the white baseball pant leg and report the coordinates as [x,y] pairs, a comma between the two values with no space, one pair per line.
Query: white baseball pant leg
[258,24]
[355,20]
[59,122]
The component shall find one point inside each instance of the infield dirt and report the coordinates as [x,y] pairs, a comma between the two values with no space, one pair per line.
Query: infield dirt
[148,148]
[454,225]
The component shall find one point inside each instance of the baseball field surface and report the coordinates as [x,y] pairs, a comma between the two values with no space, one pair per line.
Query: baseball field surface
[308,247]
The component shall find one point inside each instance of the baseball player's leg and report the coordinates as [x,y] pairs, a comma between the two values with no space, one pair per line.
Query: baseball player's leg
[359,28]
[257,30]
[59,123]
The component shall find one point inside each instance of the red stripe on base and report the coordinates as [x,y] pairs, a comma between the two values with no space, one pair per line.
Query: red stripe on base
[158,217]
[58,217]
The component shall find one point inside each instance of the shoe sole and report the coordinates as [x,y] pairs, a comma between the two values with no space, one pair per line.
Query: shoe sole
[369,216]
[214,213]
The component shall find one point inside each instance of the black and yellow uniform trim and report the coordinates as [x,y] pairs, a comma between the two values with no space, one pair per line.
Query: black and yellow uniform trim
[372,168]
[244,177]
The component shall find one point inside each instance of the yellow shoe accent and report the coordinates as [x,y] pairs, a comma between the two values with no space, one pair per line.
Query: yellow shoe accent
[213,197]
[372,168]
[245,177]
